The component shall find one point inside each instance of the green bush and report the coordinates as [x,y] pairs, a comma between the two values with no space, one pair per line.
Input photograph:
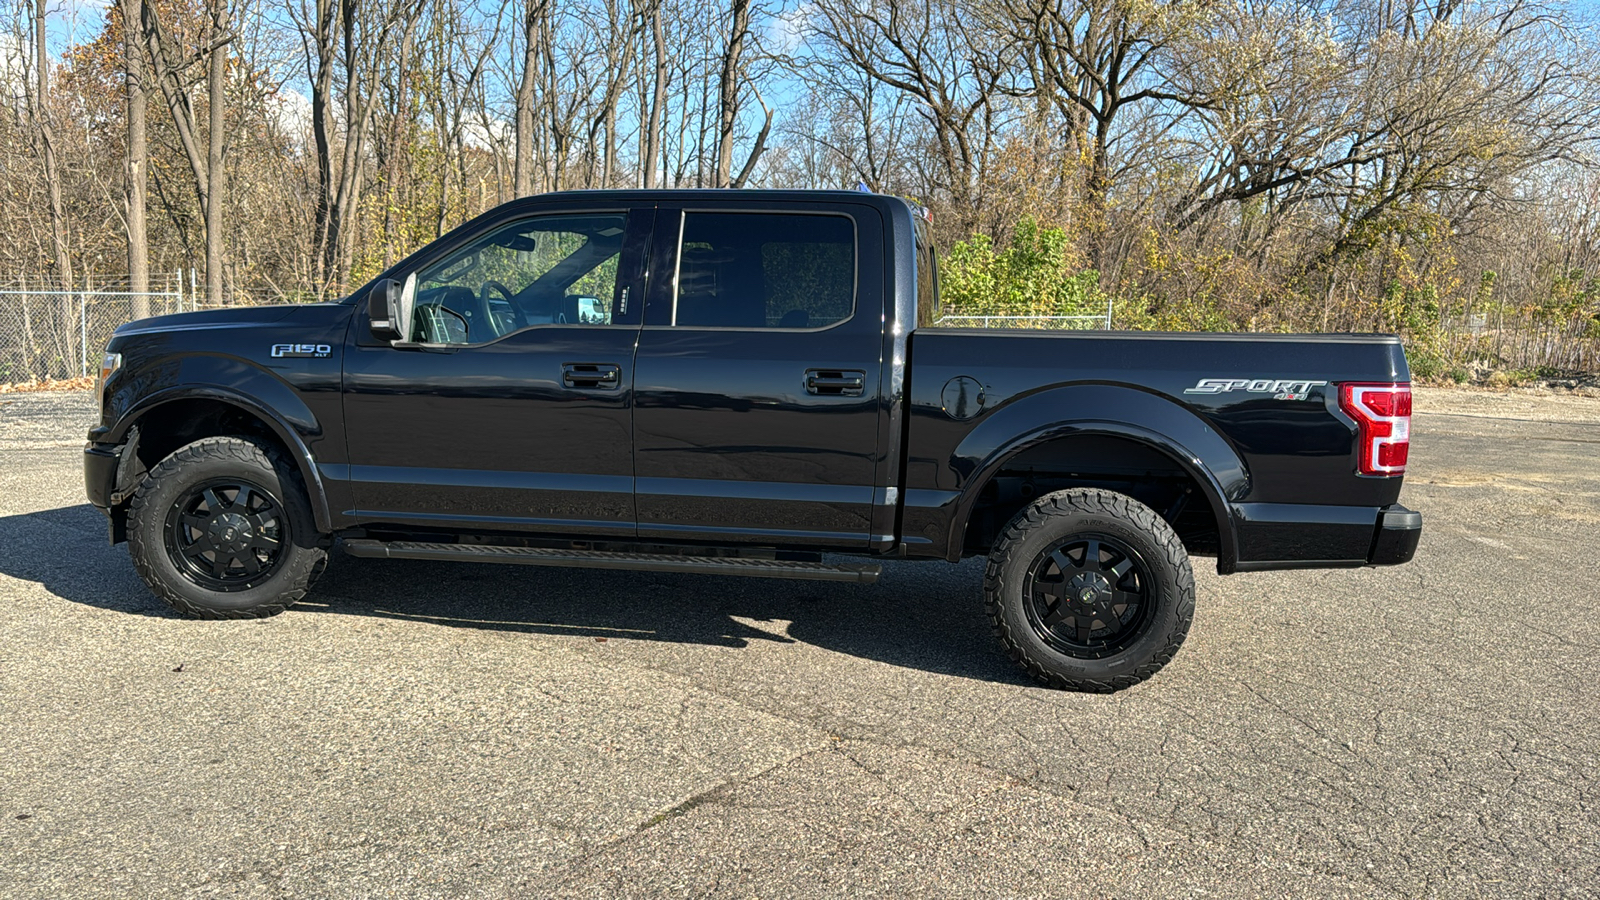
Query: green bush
[1036,275]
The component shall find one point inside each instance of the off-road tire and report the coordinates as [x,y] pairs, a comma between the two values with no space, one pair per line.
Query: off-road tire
[1082,514]
[222,458]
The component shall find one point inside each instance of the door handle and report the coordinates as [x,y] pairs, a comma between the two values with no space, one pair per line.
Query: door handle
[600,376]
[836,382]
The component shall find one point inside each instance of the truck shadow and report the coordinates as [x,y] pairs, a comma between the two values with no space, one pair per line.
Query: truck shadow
[925,616]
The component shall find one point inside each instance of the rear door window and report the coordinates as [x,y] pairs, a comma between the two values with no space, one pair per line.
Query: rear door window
[765,270]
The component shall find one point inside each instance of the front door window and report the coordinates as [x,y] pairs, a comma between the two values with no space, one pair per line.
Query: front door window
[551,270]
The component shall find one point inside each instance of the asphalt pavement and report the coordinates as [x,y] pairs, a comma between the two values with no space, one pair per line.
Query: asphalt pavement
[443,730]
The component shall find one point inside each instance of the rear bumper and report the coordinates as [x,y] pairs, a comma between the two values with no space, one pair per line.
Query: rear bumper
[1291,536]
[1399,529]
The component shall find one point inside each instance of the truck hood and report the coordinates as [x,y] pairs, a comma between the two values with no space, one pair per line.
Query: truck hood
[239,317]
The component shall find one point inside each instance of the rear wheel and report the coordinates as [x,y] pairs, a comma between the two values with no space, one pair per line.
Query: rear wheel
[1089,590]
[222,529]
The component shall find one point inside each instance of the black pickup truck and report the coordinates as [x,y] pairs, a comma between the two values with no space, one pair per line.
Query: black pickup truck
[740,383]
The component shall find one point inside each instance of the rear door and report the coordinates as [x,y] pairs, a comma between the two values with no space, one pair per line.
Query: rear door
[759,374]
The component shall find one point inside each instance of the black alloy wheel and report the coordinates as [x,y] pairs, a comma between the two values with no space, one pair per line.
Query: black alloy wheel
[1088,596]
[226,534]
[1089,590]
[223,529]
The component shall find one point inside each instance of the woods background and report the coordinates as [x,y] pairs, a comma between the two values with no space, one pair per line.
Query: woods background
[1427,168]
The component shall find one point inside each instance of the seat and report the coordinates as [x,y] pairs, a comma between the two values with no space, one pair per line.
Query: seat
[435,325]
[718,288]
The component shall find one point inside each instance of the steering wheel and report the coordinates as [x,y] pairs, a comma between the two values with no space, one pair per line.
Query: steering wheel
[483,308]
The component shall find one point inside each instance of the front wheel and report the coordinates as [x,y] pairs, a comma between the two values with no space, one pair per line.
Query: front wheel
[1089,590]
[222,529]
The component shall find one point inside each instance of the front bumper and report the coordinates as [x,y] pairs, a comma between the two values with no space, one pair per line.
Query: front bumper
[102,469]
[100,462]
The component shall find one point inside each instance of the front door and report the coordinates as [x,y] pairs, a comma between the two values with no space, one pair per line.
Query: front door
[510,405]
[758,377]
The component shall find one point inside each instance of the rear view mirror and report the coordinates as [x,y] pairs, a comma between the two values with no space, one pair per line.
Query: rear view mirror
[383,309]
[520,242]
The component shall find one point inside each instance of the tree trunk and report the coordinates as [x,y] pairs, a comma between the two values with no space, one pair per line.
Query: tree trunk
[1096,190]
[560,130]
[609,165]
[658,102]
[169,65]
[758,148]
[47,149]
[137,161]
[45,134]
[357,122]
[619,57]
[216,174]
[323,30]
[728,101]
[534,13]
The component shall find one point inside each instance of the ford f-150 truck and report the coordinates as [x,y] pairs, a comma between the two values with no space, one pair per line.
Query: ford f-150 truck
[746,383]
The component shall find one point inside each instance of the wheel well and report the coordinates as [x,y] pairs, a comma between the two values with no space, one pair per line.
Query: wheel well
[1099,461]
[171,426]
[165,429]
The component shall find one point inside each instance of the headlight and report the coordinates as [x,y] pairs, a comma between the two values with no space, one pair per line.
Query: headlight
[109,363]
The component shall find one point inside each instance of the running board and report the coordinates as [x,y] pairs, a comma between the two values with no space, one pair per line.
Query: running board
[595,559]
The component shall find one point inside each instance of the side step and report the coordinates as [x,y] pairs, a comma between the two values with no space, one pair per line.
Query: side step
[596,559]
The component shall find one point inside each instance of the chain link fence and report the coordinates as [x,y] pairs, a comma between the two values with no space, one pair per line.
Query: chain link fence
[1048,323]
[50,333]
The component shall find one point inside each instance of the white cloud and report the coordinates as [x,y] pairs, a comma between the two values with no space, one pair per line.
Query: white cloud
[13,69]
[479,137]
[788,29]
[294,113]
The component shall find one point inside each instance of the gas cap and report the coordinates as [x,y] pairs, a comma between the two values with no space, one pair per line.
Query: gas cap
[963,397]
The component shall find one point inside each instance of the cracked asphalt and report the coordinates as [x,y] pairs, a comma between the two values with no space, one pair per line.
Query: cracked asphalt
[435,730]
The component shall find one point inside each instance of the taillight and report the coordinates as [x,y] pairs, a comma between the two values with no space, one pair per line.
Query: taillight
[1383,412]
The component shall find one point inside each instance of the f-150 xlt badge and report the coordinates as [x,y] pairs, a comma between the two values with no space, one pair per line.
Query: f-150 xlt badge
[1279,388]
[300,351]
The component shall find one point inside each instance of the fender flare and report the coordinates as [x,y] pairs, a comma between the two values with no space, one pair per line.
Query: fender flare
[288,431]
[1137,415]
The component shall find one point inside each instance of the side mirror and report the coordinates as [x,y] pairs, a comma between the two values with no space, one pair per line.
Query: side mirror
[383,309]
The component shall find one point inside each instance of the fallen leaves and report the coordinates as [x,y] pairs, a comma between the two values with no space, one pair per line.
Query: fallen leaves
[86,383]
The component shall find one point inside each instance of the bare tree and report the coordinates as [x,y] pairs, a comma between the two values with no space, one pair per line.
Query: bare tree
[734,74]
[45,142]
[939,53]
[216,174]
[137,156]
[728,95]
[350,46]
[535,40]
[1362,112]
[1090,60]
[650,152]
[864,125]
[1403,164]
[621,27]
[172,71]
